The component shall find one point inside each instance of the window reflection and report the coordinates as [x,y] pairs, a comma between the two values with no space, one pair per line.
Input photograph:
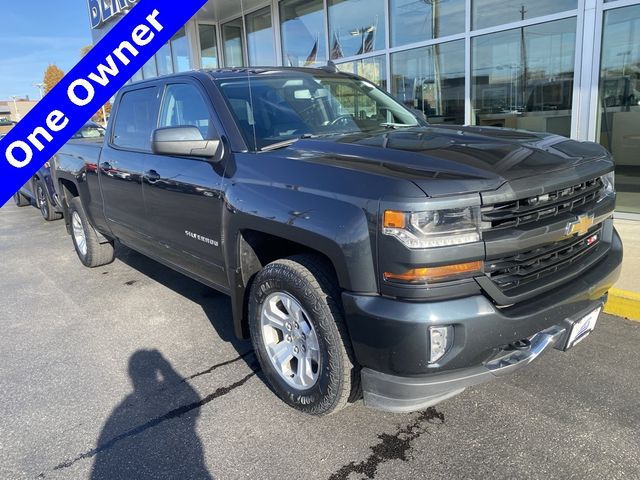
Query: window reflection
[417,21]
[303,32]
[180,51]
[164,61]
[523,78]
[233,43]
[356,27]
[137,76]
[620,101]
[260,41]
[208,46]
[431,79]
[487,13]
[149,70]
[373,69]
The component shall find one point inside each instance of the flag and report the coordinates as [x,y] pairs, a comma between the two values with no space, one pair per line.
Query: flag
[367,45]
[336,50]
[311,59]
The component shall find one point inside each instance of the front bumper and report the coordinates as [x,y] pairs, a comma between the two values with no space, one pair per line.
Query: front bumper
[390,336]
[401,394]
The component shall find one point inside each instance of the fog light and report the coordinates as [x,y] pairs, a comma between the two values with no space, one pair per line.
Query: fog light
[441,339]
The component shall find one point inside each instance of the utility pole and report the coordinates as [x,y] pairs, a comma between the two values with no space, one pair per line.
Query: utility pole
[15,105]
[40,87]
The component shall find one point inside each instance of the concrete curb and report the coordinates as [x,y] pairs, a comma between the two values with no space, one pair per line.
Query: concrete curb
[624,304]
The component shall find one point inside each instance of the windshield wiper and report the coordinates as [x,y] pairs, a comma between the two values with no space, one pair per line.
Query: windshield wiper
[286,143]
[395,126]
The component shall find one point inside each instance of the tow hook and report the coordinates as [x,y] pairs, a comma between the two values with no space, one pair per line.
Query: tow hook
[524,344]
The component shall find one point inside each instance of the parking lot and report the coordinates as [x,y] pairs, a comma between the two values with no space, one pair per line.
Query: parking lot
[132,371]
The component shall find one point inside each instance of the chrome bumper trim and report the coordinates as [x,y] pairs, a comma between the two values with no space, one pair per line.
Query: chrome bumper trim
[510,361]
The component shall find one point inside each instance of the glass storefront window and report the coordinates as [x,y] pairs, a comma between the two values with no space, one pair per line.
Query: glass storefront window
[413,21]
[303,32]
[373,69]
[180,51]
[260,42]
[431,79]
[620,101]
[164,61]
[523,78]
[356,27]
[488,13]
[208,46]
[137,76]
[149,70]
[232,43]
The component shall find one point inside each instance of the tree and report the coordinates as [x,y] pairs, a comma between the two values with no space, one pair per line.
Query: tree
[101,115]
[85,50]
[52,75]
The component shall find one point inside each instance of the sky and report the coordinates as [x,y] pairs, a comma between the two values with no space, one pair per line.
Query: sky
[34,34]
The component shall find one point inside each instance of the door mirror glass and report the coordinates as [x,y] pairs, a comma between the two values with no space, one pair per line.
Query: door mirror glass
[184,141]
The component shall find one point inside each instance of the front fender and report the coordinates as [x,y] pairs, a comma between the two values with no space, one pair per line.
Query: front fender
[335,227]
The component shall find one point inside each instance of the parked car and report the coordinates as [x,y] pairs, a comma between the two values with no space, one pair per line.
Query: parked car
[363,250]
[40,189]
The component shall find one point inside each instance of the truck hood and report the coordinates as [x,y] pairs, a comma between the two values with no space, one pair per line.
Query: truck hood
[448,160]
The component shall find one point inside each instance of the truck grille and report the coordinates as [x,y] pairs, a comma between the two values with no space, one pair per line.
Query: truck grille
[512,272]
[552,204]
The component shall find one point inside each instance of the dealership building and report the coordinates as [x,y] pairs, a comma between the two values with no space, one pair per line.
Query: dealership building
[570,67]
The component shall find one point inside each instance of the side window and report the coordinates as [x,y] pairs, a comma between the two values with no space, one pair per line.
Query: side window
[136,119]
[184,105]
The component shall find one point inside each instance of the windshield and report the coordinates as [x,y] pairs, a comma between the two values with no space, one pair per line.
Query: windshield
[89,131]
[271,109]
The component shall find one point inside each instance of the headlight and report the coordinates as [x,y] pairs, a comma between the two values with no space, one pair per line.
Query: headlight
[434,228]
[609,182]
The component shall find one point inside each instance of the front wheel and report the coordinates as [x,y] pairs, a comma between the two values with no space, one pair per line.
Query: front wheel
[90,251]
[299,335]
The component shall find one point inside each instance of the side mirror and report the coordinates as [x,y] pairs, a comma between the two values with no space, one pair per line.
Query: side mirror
[184,141]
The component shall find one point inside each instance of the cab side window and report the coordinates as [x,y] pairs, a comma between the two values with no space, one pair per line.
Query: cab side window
[183,105]
[136,119]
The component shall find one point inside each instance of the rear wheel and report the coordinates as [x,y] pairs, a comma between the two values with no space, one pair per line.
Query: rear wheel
[299,336]
[90,251]
[20,200]
[46,207]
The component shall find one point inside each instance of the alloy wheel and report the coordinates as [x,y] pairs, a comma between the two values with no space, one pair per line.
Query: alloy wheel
[78,233]
[290,340]
[42,201]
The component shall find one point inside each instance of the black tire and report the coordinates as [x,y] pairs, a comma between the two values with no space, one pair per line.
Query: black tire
[20,200]
[312,283]
[96,254]
[44,204]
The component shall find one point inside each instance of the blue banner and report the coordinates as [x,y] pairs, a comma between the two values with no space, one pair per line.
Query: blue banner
[89,85]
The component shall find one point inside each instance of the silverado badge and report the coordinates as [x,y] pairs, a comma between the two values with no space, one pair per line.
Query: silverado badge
[581,226]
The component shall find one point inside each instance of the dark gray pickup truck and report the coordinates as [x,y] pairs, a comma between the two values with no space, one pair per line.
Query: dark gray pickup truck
[365,252]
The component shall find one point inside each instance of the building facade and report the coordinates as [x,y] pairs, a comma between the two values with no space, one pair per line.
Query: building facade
[570,67]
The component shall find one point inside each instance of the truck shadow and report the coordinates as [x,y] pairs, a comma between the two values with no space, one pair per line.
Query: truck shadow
[215,305]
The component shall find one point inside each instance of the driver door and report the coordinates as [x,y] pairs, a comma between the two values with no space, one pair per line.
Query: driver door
[184,196]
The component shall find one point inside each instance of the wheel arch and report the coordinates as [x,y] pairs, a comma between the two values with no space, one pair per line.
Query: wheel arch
[266,230]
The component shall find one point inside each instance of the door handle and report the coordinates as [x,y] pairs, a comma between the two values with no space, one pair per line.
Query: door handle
[105,166]
[152,176]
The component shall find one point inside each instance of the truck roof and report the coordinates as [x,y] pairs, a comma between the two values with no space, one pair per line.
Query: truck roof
[254,71]
[221,73]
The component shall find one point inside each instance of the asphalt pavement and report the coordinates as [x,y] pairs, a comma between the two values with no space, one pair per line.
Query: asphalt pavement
[131,371]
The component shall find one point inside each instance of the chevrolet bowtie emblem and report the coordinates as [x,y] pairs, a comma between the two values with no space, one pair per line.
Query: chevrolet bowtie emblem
[581,226]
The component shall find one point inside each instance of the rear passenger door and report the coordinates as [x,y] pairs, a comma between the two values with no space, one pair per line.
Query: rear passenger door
[183,195]
[122,163]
